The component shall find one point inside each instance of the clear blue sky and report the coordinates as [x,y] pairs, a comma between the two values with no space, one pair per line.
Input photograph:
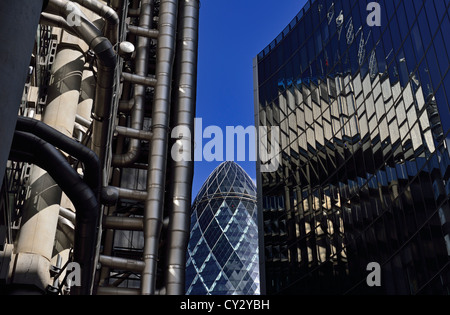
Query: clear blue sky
[232,33]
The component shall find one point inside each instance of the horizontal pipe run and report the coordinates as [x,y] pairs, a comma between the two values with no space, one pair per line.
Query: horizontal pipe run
[55,21]
[136,195]
[134,134]
[137,79]
[134,12]
[117,291]
[123,223]
[144,32]
[121,263]
[83,121]
[67,214]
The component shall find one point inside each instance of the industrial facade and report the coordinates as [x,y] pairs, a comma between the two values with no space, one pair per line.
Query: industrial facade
[91,201]
[223,254]
[363,114]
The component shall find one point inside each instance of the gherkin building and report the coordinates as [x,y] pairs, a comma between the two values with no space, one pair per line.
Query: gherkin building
[222,256]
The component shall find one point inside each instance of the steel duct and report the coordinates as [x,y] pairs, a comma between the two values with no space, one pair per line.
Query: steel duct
[110,16]
[55,21]
[106,63]
[141,65]
[121,263]
[181,174]
[31,149]
[154,206]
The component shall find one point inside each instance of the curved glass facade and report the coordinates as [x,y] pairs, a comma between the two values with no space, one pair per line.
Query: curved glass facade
[364,125]
[222,256]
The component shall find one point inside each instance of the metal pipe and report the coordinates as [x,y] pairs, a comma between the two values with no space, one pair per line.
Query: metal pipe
[55,21]
[110,16]
[111,194]
[141,65]
[181,176]
[83,121]
[117,291]
[134,134]
[117,4]
[141,31]
[137,79]
[41,218]
[106,63]
[121,263]
[136,195]
[29,148]
[67,214]
[66,144]
[134,12]
[87,94]
[67,228]
[123,223]
[154,205]
[126,106]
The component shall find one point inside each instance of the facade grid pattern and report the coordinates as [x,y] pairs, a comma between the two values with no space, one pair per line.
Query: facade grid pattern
[364,123]
[222,256]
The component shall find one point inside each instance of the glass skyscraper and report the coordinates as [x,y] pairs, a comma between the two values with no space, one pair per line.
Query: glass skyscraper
[363,115]
[222,257]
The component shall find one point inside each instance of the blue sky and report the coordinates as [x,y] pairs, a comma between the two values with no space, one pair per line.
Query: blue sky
[232,33]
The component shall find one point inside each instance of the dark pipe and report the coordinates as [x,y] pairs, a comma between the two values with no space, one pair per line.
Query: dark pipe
[31,149]
[68,145]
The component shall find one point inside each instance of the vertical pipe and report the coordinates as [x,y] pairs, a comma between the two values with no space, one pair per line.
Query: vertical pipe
[41,218]
[154,206]
[183,107]
[141,65]
[18,25]
[64,89]
[106,66]
[86,101]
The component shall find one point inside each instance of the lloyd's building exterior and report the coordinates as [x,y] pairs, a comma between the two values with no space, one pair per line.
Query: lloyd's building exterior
[356,95]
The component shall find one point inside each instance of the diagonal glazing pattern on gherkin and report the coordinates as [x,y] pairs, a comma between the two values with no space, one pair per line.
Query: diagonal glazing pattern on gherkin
[222,256]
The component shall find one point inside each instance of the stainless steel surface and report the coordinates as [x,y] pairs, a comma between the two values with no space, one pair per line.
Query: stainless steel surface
[124,88]
[141,65]
[154,206]
[181,175]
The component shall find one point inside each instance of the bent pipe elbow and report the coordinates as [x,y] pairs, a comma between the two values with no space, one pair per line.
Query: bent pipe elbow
[31,149]
[87,31]
[101,9]
[66,144]
[130,157]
